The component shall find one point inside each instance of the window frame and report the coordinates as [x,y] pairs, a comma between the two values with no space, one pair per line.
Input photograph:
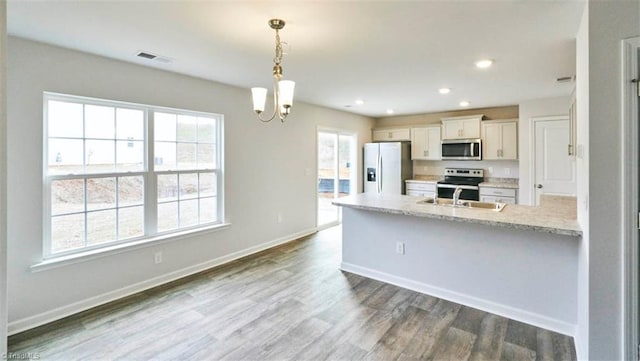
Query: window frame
[148,174]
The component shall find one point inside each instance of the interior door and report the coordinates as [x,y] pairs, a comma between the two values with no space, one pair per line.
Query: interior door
[554,168]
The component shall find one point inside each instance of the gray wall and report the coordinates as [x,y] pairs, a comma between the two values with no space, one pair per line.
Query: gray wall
[269,169]
[601,199]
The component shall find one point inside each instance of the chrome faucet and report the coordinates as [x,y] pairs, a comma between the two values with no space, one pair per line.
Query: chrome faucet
[456,195]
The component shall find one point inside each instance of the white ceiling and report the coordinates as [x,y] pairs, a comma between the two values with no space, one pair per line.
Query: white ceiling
[391,54]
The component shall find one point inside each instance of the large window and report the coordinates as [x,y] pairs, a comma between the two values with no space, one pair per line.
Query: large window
[119,172]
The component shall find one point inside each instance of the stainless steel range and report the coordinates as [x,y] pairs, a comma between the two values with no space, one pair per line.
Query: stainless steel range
[467,180]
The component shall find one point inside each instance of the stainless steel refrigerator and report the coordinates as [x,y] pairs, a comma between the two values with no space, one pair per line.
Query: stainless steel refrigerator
[386,167]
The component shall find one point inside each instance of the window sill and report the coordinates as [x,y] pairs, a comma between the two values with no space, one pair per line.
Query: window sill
[56,262]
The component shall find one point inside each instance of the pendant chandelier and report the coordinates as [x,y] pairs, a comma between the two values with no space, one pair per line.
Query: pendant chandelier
[282,89]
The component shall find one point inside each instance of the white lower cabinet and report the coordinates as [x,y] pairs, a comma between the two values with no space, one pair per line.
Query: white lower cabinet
[499,195]
[421,189]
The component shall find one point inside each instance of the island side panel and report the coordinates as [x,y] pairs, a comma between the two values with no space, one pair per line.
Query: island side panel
[524,275]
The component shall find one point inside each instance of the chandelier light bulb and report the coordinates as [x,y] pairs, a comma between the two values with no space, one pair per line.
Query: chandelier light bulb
[259,99]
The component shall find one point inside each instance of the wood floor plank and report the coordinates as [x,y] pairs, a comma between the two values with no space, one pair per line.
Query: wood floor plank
[455,346]
[490,339]
[342,330]
[513,352]
[398,336]
[544,346]
[291,302]
[439,319]
[521,334]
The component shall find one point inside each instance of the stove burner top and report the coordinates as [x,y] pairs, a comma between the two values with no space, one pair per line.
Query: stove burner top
[461,176]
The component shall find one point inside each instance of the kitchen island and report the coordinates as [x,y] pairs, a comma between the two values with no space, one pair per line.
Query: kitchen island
[520,263]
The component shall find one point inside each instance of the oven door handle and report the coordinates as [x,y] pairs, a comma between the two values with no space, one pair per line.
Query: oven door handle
[453,186]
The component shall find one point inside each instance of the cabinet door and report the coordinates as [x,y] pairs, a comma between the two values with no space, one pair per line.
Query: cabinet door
[382,135]
[391,135]
[434,144]
[470,128]
[491,142]
[452,129]
[419,145]
[509,141]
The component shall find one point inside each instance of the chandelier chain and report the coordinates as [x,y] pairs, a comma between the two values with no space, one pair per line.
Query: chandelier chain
[278,58]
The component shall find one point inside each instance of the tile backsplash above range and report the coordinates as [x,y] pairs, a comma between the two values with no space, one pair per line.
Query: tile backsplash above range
[492,169]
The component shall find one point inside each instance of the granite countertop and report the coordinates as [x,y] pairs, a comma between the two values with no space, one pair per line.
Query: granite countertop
[511,183]
[555,215]
[425,179]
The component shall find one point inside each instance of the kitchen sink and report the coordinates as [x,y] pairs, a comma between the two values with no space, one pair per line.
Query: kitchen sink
[494,206]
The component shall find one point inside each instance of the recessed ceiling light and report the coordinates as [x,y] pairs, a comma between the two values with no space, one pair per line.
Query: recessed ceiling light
[390,111]
[444,90]
[484,63]
[464,103]
[359,101]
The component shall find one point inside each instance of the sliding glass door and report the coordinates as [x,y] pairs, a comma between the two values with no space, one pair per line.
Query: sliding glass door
[336,172]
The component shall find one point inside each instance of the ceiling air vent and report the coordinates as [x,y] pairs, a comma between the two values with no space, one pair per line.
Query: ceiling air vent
[158,58]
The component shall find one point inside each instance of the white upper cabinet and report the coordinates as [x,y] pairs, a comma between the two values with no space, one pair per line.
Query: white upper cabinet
[500,140]
[425,143]
[467,127]
[391,135]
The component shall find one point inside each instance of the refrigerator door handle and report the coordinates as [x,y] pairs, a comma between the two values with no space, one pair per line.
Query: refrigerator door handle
[381,175]
[379,178]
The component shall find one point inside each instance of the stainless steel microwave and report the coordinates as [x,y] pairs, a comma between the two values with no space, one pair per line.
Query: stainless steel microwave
[461,149]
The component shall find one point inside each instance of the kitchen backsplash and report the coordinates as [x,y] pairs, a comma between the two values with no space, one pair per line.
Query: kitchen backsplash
[492,168]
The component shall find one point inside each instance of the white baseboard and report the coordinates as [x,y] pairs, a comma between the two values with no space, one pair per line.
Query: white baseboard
[463,299]
[61,312]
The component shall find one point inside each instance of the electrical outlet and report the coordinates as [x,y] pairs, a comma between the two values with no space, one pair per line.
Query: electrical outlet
[491,170]
[157,257]
[400,247]
[279,218]
[507,171]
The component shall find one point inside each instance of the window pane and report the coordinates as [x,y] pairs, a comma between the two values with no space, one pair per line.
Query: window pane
[167,216]
[129,124]
[101,227]
[188,185]
[101,193]
[99,122]
[206,156]
[165,157]
[186,156]
[130,222]
[100,155]
[167,187]
[207,184]
[65,119]
[165,126]
[186,128]
[129,155]
[130,191]
[67,232]
[65,156]
[67,196]
[206,130]
[188,213]
[207,210]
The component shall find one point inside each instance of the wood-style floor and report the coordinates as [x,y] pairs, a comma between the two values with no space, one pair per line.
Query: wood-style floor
[288,303]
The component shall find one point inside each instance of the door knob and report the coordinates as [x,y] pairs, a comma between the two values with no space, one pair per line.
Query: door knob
[538,186]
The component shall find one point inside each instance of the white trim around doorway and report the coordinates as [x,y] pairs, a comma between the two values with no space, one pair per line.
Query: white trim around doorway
[630,169]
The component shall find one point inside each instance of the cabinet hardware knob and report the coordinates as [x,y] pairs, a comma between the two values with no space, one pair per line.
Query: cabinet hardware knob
[539,186]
